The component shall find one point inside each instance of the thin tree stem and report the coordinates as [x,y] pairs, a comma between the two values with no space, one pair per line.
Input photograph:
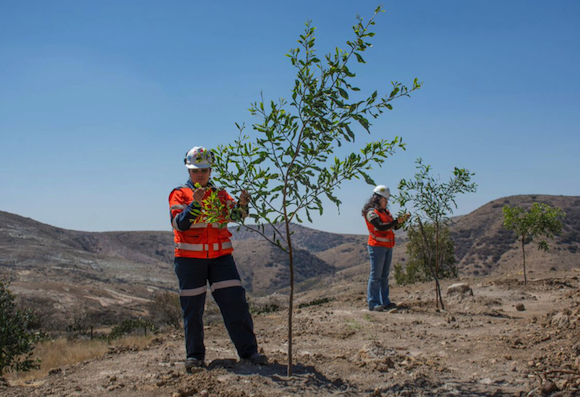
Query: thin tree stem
[291,298]
[524,256]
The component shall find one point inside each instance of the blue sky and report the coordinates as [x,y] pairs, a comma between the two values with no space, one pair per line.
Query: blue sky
[99,100]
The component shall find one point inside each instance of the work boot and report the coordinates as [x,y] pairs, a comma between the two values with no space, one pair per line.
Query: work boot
[391,306]
[257,358]
[377,308]
[193,365]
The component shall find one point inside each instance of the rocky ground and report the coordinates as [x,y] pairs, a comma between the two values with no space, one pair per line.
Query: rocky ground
[498,337]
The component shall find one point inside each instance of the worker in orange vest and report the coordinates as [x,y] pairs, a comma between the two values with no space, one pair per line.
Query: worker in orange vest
[203,254]
[380,224]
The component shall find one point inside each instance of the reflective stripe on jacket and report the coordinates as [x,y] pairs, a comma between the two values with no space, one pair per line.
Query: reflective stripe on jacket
[199,240]
[379,238]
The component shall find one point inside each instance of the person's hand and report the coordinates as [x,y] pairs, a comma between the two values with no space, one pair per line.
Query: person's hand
[198,195]
[403,218]
[244,198]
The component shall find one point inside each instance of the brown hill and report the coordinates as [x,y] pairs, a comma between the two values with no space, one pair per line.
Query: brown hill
[60,271]
[264,268]
[113,274]
[318,255]
[483,246]
[315,241]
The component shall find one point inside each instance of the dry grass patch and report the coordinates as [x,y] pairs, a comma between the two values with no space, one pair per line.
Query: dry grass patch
[61,352]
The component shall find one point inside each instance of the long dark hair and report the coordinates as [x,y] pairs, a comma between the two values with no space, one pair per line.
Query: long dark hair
[374,202]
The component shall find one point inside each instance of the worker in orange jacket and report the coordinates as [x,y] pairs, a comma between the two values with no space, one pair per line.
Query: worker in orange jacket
[203,254]
[380,224]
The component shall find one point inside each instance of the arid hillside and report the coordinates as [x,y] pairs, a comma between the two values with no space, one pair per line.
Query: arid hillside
[114,275]
[483,246]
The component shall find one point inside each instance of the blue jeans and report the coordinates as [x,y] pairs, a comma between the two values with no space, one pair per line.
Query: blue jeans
[378,288]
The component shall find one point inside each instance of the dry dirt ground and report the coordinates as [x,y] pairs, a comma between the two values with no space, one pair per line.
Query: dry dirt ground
[506,339]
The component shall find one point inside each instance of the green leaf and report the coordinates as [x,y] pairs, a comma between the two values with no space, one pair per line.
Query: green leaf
[365,123]
[342,93]
[367,178]
[349,131]
[359,58]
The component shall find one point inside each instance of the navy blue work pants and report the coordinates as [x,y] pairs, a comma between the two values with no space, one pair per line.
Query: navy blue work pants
[224,280]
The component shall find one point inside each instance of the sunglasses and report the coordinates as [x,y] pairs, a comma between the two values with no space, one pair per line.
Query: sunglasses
[199,170]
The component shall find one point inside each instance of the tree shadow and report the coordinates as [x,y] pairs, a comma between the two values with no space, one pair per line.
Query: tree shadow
[303,375]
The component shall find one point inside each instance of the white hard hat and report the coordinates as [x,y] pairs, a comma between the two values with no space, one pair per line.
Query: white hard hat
[199,157]
[382,190]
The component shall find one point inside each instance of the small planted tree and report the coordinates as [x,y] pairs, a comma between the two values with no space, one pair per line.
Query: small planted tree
[16,339]
[417,267]
[288,165]
[433,203]
[540,221]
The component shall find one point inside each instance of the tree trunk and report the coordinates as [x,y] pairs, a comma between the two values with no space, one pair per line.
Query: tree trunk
[290,299]
[437,265]
[438,291]
[524,256]
[437,248]
[427,249]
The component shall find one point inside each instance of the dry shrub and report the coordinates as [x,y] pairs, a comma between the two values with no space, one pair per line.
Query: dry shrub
[167,308]
[61,352]
[134,341]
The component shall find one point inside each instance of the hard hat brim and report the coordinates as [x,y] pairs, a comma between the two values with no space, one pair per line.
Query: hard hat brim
[383,195]
[197,166]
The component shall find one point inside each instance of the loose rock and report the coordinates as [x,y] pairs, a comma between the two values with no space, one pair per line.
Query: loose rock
[459,289]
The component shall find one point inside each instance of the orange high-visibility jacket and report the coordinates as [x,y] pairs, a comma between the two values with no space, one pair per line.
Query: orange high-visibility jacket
[379,238]
[200,240]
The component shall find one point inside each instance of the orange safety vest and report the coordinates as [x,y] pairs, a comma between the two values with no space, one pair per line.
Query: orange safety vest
[201,240]
[376,237]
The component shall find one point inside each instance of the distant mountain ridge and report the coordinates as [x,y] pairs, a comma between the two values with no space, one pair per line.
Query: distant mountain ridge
[116,272]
